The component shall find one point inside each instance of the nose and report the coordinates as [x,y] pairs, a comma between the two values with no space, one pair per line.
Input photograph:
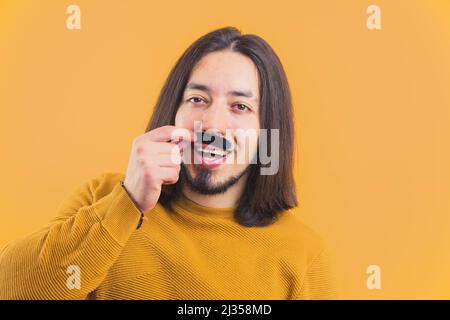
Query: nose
[215,118]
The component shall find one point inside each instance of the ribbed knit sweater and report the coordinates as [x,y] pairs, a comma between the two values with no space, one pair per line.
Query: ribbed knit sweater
[92,249]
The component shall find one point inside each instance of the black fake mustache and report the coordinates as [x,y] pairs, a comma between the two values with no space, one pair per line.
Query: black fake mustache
[214,140]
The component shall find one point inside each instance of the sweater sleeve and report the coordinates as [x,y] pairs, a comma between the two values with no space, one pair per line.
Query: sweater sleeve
[70,257]
[319,282]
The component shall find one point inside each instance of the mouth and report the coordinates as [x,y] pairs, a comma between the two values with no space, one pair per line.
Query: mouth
[209,156]
[210,150]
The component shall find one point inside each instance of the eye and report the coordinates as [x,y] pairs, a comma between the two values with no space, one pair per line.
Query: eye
[195,100]
[241,107]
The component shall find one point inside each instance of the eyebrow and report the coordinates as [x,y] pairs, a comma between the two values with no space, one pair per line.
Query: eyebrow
[236,93]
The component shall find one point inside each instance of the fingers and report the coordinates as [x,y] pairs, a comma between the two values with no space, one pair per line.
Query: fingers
[144,150]
[169,175]
[162,147]
[182,145]
[165,159]
[170,134]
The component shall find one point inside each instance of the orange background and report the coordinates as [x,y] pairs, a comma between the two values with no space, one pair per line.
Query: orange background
[372,116]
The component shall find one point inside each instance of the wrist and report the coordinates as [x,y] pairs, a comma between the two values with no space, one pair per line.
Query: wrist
[122,183]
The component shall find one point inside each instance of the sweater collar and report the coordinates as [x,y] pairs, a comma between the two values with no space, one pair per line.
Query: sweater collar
[188,206]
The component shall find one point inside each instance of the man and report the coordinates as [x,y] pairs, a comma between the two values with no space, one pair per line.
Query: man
[200,213]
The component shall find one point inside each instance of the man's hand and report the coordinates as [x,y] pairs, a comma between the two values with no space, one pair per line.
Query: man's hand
[155,160]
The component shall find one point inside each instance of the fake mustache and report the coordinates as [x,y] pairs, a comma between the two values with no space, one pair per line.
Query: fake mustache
[214,140]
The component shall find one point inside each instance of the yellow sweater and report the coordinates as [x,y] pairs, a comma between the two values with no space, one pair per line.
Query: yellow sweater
[92,250]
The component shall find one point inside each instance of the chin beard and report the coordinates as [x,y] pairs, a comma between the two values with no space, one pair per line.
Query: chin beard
[202,182]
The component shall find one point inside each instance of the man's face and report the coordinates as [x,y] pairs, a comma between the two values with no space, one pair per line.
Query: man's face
[222,99]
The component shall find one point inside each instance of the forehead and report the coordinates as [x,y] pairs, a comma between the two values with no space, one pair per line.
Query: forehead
[226,70]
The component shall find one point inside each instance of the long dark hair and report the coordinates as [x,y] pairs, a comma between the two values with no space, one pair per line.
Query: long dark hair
[264,196]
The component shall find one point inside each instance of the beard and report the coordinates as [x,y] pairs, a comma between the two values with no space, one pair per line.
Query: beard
[202,183]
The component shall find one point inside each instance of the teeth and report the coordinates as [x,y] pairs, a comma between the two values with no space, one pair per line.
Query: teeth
[217,152]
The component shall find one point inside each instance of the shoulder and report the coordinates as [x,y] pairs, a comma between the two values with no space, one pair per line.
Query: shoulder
[306,254]
[89,191]
[296,238]
[102,184]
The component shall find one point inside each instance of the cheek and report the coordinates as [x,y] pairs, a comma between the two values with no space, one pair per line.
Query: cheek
[183,118]
[247,145]
[178,116]
[253,147]
[254,142]
[188,117]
